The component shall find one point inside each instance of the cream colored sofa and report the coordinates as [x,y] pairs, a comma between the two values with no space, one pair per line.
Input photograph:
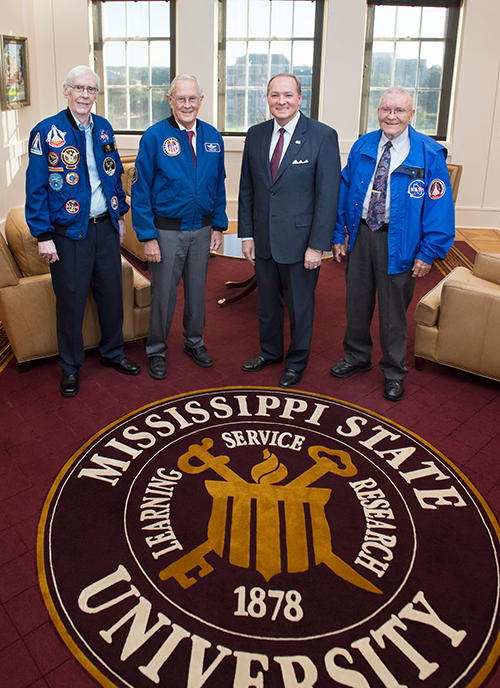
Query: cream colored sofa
[27,301]
[458,322]
[130,243]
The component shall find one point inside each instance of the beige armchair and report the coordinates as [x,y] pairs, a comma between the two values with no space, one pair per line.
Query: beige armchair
[458,322]
[27,301]
[130,243]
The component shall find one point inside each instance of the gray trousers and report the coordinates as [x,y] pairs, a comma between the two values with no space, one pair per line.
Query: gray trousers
[183,254]
[366,274]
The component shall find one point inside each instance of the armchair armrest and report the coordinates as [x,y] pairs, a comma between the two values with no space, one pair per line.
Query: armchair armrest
[487,266]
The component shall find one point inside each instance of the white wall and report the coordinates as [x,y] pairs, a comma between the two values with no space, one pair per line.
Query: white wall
[59,38]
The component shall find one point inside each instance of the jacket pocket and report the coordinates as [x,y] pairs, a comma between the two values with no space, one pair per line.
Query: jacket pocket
[303,220]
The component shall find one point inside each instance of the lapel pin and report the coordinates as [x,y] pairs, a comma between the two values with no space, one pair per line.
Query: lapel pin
[297,141]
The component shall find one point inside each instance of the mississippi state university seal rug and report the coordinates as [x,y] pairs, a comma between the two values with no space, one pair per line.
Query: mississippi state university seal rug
[243,537]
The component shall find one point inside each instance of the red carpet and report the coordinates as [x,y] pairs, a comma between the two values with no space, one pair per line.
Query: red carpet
[457,413]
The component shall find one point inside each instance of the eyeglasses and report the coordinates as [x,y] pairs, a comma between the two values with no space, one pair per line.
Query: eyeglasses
[91,90]
[192,100]
[399,112]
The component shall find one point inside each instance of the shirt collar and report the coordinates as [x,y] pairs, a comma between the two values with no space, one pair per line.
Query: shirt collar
[80,125]
[289,127]
[182,127]
[397,142]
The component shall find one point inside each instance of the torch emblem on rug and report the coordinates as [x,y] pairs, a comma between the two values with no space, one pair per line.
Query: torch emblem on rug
[267,495]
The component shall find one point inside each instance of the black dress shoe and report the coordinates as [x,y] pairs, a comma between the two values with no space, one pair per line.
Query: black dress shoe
[69,385]
[345,369]
[199,356]
[157,367]
[125,366]
[394,390]
[257,363]
[290,378]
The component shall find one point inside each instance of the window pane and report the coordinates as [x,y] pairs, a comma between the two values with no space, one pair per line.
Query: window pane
[433,22]
[160,63]
[114,19]
[431,65]
[281,19]
[159,102]
[137,19]
[406,64]
[257,106]
[139,108]
[159,25]
[258,24]
[303,21]
[382,60]
[236,63]
[258,59]
[373,110]
[385,22]
[426,115]
[138,72]
[408,23]
[236,22]
[117,107]
[114,60]
[235,110]
[303,52]
[305,105]
[281,56]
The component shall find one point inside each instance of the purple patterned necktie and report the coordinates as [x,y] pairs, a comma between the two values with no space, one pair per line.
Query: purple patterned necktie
[375,217]
[276,156]
[190,137]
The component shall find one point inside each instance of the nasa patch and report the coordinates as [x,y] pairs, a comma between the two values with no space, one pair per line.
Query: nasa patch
[416,188]
[36,146]
[134,175]
[109,166]
[56,182]
[55,137]
[72,207]
[53,158]
[437,189]
[114,202]
[212,148]
[171,146]
[103,135]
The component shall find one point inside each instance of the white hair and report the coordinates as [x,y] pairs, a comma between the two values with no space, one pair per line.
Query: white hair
[78,71]
[397,91]
[184,77]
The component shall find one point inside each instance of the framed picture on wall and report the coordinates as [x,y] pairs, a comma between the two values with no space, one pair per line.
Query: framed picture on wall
[15,84]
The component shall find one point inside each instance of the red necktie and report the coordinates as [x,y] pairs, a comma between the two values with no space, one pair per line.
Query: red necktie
[276,156]
[190,137]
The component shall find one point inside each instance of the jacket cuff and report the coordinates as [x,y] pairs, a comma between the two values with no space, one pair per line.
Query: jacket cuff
[46,236]
[219,229]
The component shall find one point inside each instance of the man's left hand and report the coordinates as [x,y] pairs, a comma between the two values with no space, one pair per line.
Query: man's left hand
[215,240]
[420,269]
[312,259]
[121,226]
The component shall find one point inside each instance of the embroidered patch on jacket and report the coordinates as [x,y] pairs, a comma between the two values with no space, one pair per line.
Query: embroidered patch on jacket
[416,188]
[56,138]
[72,207]
[437,189]
[36,146]
[108,148]
[114,202]
[72,178]
[104,135]
[171,146]
[212,147]
[70,156]
[109,166]
[53,158]
[134,175]
[56,182]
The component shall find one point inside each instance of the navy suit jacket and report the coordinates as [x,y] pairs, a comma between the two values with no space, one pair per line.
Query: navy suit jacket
[297,210]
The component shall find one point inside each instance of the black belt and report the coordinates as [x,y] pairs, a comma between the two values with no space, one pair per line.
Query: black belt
[99,218]
[384,228]
[171,223]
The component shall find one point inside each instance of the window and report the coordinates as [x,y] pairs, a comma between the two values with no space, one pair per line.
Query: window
[412,47]
[259,38]
[134,57]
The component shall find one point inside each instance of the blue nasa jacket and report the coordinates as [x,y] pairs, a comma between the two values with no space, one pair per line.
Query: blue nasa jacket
[58,188]
[168,191]
[422,215]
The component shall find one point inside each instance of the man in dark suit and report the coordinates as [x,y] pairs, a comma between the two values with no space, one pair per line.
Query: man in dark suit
[288,199]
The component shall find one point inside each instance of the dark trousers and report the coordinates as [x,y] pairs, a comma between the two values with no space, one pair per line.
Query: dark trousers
[366,275]
[95,259]
[292,284]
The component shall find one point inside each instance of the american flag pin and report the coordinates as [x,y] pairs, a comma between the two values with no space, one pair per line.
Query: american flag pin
[297,141]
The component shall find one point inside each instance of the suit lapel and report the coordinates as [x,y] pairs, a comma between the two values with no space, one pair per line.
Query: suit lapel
[266,142]
[297,141]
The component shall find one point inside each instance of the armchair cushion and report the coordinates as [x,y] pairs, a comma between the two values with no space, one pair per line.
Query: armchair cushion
[22,245]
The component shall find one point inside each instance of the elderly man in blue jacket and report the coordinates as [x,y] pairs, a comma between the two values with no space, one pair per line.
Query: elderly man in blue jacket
[75,205]
[396,206]
[179,212]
